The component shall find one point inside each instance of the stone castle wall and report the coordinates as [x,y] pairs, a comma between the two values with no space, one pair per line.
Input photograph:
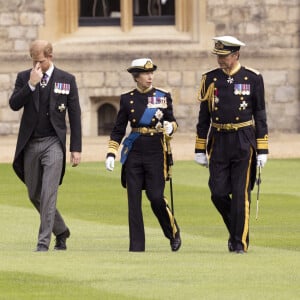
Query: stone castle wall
[270,29]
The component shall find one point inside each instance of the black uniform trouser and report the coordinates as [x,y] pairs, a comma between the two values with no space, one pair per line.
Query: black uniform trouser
[229,182]
[145,170]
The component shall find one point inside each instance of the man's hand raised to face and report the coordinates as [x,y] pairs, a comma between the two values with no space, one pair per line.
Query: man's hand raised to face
[36,74]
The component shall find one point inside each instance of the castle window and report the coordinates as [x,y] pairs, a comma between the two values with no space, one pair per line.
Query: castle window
[110,12]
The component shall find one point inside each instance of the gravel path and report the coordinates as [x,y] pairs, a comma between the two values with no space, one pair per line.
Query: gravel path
[94,148]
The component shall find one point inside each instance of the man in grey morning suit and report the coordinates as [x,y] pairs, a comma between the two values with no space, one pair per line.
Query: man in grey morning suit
[46,93]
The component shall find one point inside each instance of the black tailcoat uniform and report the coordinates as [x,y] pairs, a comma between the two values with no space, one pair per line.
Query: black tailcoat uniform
[232,129]
[62,99]
[145,167]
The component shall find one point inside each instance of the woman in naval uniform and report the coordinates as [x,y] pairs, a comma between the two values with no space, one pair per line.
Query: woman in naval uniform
[144,156]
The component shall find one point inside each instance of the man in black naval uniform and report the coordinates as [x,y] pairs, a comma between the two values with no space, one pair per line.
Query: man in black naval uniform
[232,134]
[144,157]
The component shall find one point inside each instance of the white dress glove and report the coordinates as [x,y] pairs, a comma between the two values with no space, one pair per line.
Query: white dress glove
[168,126]
[201,159]
[262,160]
[110,163]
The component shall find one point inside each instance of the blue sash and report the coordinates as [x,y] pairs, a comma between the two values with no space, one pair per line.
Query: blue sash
[147,116]
[128,142]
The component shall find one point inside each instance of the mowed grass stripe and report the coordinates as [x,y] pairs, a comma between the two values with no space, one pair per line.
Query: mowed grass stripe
[97,264]
[202,268]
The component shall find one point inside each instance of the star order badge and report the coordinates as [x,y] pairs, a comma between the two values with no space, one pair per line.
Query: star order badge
[243,105]
[230,80]
[62,107]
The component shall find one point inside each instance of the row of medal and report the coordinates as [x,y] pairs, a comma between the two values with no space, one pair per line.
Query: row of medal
[62,88]
[241,89]
[155,102]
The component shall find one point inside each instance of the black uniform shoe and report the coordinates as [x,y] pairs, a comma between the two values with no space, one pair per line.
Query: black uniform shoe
[175,242]
[41,248]
[61,239]
[240,251]
[230,245]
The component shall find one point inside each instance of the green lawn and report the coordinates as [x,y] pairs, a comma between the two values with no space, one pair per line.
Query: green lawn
[97,264]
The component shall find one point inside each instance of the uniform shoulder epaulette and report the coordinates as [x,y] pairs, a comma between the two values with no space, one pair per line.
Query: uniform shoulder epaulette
[210,71]
[162,90]
[127,92]
[252,70]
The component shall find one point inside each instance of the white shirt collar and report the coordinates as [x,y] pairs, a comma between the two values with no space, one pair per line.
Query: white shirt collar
[50,70]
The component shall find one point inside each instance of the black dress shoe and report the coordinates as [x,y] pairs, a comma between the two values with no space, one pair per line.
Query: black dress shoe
[41,248]
[61,240]
[230,245]
[175,242]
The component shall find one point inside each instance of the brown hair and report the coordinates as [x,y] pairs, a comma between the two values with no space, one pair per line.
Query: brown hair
[39,46]
[135,75]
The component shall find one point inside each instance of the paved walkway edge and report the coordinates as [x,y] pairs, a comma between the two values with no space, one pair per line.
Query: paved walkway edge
[281,145]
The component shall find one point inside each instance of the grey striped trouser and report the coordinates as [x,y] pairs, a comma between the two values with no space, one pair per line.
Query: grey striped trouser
[43,160]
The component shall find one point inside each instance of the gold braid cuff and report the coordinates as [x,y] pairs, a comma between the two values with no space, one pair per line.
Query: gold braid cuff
[200,144]
[113,147]
[262,143]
